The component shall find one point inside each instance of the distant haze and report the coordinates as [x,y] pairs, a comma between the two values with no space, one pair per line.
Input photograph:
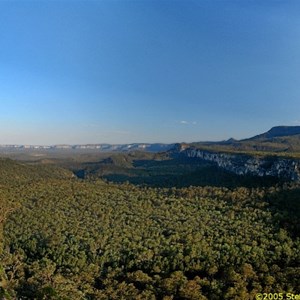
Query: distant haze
[78,72]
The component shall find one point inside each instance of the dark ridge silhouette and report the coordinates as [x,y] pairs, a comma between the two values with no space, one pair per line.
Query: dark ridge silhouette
[278,131]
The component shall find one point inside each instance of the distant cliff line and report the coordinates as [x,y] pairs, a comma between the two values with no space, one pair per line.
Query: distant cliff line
[150,147]
[243,164]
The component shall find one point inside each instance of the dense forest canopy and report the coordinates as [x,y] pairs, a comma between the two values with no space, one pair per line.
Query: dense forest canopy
[68,238]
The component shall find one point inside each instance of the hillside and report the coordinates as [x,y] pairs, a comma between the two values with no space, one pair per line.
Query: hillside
[280,140]
[273,156]
[16,173]
[278,131]
[228,163]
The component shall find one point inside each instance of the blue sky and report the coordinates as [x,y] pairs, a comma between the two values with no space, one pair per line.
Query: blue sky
[147,71]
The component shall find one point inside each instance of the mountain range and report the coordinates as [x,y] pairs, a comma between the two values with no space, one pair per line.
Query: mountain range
[278,131]
[149,147]
[279,139]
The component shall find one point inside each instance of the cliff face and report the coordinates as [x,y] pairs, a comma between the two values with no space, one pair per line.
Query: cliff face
[284,168]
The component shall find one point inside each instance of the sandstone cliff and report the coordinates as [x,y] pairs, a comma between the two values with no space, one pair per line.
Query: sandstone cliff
[242,164]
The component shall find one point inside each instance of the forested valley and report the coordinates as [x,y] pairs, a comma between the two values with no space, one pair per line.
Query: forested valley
[64,237]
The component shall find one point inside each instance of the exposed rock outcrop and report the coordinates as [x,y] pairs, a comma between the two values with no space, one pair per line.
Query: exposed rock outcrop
[242,164]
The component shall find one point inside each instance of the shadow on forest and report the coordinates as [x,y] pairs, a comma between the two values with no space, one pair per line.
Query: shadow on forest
[184,172]
[175,173]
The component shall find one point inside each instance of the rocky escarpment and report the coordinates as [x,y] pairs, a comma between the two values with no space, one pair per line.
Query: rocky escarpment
[242,164]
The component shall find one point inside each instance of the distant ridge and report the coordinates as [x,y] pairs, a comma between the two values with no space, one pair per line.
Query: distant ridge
[279,140]
[278,131]
[150,147]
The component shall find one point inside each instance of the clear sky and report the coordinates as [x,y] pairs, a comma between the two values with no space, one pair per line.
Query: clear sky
[147,71]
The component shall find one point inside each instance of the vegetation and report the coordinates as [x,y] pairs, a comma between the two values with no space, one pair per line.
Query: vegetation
[68,238]
[262,145]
